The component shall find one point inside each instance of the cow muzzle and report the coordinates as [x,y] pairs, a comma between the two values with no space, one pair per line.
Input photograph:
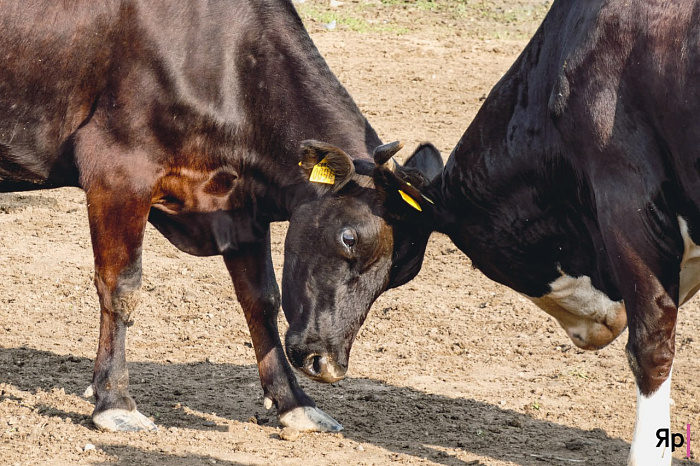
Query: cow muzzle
[319,358]
[323,368]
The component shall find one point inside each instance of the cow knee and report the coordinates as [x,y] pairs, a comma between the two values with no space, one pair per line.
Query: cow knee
[266,302]
[650,364]
[270,299]
[124,302]
[119,300]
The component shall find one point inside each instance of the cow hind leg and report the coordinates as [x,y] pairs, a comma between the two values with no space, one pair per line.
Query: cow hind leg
[256,288]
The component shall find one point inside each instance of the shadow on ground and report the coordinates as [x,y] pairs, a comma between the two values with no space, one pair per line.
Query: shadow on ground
[371,411]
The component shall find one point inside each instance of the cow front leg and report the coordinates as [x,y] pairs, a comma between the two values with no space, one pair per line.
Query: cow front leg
[649,284]
[650,351]
[117,224]
[256,288]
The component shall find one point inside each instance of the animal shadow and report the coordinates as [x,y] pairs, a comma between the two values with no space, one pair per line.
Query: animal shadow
[398,419]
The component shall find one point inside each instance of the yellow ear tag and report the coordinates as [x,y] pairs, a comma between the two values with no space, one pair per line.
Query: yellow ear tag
[410,201]
[322,173]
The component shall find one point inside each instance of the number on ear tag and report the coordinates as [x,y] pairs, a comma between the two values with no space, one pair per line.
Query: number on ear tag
[410,201]
[322,173]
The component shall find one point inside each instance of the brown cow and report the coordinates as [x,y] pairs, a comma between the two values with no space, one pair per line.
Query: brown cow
[185,114]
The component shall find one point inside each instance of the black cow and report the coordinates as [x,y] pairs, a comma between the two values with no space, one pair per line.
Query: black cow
[189,115]
[577,185]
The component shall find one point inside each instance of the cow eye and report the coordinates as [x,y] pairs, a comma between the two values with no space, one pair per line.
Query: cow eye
[349,238]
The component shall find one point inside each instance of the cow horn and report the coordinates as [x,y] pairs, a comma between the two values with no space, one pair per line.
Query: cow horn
[383,154]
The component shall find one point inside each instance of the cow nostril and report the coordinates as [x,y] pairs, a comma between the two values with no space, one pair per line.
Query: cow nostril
[322,368]
[317,364]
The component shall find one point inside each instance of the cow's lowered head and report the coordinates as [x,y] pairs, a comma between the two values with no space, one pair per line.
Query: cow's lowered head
[366,233]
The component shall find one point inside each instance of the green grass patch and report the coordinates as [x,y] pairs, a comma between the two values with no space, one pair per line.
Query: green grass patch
[348,19]
[481,18]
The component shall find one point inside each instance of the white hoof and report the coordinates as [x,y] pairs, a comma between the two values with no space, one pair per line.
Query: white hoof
[89,392]
[306,418]
[121,420]
[267,403]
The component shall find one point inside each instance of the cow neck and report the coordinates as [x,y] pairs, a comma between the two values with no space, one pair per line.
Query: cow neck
[511,142]
[304,101]
[268,89]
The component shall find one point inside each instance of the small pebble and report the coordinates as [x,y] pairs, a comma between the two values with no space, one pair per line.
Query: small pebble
[289,434]
[89,447]
[360,448]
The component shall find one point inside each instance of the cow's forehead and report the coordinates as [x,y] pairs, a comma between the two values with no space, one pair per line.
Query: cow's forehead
[345,209]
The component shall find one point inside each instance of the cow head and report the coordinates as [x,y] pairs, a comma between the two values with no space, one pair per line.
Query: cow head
[348,246]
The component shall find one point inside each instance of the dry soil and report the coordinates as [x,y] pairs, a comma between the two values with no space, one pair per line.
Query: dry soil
[450,369]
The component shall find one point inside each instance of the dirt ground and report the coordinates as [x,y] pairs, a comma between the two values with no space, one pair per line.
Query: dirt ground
[450,369]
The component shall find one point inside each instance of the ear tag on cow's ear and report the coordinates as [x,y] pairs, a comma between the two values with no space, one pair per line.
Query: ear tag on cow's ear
[322,173]
[410,201]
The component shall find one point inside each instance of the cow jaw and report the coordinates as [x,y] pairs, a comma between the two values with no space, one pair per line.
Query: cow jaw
[590,318]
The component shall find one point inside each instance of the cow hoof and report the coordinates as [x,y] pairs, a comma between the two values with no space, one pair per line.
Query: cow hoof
[306,418]
[89,392]
[121,420]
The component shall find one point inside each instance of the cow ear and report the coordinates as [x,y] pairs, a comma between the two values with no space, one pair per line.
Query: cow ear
[427,160]
[399,187]
[221,182]
[402,199]
[326,165]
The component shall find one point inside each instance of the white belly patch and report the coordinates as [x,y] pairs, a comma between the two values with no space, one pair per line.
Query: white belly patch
[590,318]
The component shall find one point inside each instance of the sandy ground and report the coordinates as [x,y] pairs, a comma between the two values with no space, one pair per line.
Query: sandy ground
[450,369]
